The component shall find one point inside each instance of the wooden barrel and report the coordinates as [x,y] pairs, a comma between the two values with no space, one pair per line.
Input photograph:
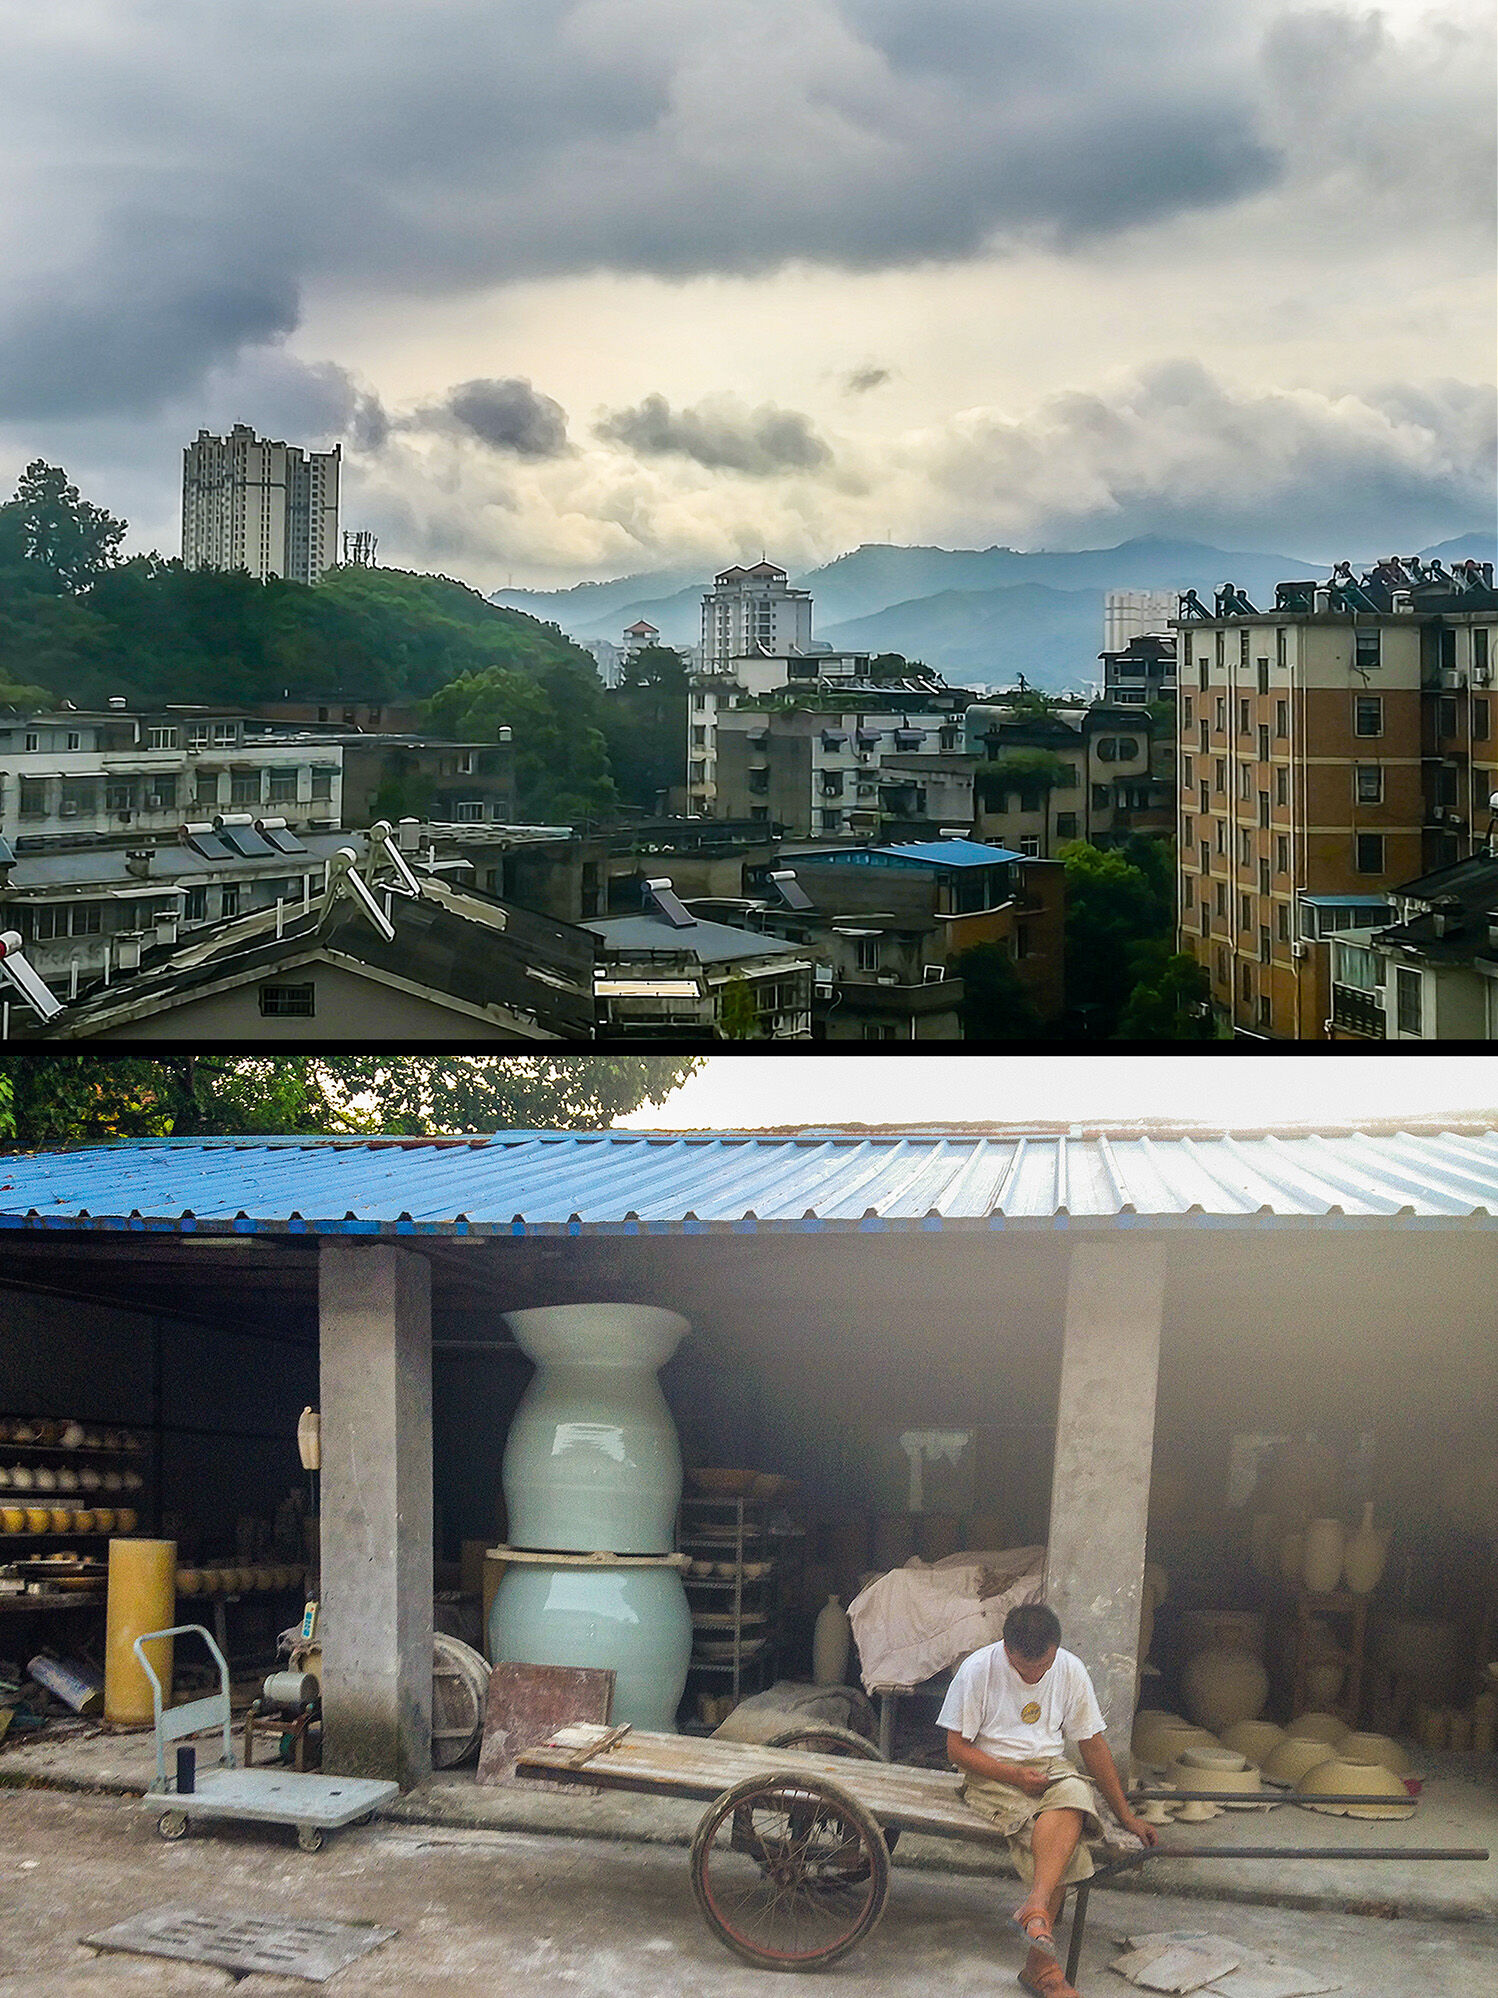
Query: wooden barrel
[460,1681]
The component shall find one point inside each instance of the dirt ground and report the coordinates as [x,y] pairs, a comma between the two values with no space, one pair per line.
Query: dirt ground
[493,1912]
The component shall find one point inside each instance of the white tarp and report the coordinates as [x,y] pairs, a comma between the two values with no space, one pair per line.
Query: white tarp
[917,1620]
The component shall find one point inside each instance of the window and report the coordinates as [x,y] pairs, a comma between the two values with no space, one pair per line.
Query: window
[244,787]
[1282,922]
[1102,797]
[1246,982]
[1445,717]
[868,953]
[1206,918]
[1107,749]
[1245,726]
[1480,715]
[1222,967]
[283,786]
[205,788]
[1186,710]
[1222,836]
[1029,845]
[1263,877]
[699,736]
[195,906]
[1205,738]
[1282,787]
[1066,825]
[1279,648]
[1367,714]
[79,795]
[1266,1010]
[1243,648]
[1263,944]
[1186,774]
[1222,899]
[1206,857]
[1370,853]
[1369,784]
[229,899]
[1220,775]
[1245,849]
[33,739]
[120,796]
[832,821]
[322,785]
[469,811]
[162,738]
[1263,742]
[75,739]
[1245,912]
[1282,719]
[1221,642]
[759,812]
[1187,885]
[1201,672]
[288,1002]
[161,793]
[1221,716]
[1480,649]
[1365,650]
[463,763]
[1245,782]
[1264,810]
[1206,798]
[1407,1000]
[224,734]
[1282,853]
[1263,671]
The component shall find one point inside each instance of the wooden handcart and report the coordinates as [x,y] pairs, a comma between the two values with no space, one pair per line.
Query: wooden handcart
[790,1863]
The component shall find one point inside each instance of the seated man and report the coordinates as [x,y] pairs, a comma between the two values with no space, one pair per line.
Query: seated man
[1007,1713]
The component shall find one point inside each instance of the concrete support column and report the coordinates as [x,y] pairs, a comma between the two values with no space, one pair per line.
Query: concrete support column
[1105,1426]
[375,1313]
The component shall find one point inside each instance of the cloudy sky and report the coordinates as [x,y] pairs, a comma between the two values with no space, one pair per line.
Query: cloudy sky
[593,286]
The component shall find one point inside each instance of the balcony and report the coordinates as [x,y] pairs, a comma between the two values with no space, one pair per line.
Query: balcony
[1357,1012]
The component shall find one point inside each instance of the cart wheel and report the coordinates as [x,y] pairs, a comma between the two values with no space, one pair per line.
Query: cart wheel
[172,1825]
[827,1738]
[309,1838]
[789,1871]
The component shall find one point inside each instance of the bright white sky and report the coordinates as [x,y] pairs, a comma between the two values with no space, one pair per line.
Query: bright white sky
[749,1091]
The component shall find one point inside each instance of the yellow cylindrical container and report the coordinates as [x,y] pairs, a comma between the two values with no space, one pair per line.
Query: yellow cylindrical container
[142,1597]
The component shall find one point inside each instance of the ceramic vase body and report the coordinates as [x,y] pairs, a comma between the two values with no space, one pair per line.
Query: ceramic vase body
[829,1644]
[1323,1683]
[1326,1540]
[1224,1687]
[591,1463]
[633,1621]
[1364,1557]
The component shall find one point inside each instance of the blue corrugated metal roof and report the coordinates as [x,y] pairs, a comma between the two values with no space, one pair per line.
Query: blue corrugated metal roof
[520,1182]
[951,853]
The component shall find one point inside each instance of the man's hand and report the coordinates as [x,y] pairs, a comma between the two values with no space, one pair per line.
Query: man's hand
[1034,1782]
[1146,1833]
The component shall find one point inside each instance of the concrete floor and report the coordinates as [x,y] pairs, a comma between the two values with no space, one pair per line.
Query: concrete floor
[553,1917]
[1459,1807]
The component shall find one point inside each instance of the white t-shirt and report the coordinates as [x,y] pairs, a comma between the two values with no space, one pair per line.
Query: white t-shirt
[988,1703]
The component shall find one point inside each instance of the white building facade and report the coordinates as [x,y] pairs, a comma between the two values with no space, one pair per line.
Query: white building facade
[753,610]
[254,503]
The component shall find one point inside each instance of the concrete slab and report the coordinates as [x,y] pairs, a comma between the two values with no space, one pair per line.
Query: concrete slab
[1459,1808]
[483,1911]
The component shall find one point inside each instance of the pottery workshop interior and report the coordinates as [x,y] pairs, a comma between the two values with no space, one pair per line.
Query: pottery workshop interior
[1321,1471]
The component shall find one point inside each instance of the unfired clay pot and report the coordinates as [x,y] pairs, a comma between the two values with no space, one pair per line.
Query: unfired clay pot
[1323,1682]
[1364,1556]
[1326,1542]
[1224,1685]
[1253,1739]
[1374,1748]
[1316,1726]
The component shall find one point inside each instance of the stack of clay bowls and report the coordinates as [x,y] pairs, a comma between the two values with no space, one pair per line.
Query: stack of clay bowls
[1253,1739]
[1205,1766]
[1360,1779]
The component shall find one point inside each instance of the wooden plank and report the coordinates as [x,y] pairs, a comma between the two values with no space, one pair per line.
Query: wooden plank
[526,1704]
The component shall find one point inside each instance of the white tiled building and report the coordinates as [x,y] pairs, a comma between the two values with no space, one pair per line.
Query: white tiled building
[753,611]
[253,503]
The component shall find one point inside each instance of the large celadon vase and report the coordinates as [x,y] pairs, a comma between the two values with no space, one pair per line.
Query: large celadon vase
[592,1465]
[591,1462]
[633,1621]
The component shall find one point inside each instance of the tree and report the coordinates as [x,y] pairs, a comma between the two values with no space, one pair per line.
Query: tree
[561,758]
[1033,773]
[738,1016]
[61,531]
[995,1005]
[1171,1000]
[644,721]
[81,1099]
[1112,906]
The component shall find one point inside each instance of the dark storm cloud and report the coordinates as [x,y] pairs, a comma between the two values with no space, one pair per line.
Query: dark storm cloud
[861,380]
[506,415]
[720,435]
[182,173]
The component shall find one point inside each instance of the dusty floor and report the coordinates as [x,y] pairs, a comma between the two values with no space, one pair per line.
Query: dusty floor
[498,1912]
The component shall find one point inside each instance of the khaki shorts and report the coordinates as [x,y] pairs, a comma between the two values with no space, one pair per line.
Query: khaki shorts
[1007,1806]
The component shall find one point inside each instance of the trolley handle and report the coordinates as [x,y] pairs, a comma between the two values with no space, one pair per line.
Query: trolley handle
[193,1716]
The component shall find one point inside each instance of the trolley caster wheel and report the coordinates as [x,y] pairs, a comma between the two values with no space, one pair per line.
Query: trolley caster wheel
[309,1838]
[365,1818]
[172,1825]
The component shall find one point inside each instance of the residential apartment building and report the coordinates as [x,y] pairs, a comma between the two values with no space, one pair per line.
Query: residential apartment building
[254,503]
[810,762]
[1082,771]
[753,610]
[745,678]
[666,972]
[1131,614]
[1328,749]
[1141,671]
[1430,974]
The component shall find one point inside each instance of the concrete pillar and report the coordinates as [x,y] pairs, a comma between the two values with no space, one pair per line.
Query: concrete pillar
[1105,1426]
[376,1337]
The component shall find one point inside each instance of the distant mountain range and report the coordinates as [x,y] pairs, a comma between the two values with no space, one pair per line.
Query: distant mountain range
[980,615]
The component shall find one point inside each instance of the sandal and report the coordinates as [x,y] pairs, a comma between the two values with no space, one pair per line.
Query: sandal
[1036,1930]
[1051,1983]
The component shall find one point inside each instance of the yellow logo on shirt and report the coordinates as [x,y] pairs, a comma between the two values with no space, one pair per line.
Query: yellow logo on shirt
[1030,1712]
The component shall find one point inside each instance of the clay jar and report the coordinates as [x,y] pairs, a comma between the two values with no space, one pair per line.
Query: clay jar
[1364,1556]
[1326,1542]
[1223,1686]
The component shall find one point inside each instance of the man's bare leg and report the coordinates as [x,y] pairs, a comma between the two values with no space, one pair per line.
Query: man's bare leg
[1054,1837]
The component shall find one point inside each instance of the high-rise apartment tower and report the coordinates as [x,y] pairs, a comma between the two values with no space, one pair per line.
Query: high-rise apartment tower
[753,611]
[251,503]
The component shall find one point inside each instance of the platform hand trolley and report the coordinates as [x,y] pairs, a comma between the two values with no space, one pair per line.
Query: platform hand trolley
[790,1862]
[314,1804]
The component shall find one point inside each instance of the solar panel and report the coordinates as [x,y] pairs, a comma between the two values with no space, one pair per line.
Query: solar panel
[246,841]
[210,846]
[282,840]
[790,890]
[669,905]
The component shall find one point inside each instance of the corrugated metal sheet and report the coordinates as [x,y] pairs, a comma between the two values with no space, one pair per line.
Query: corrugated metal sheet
[520,1182]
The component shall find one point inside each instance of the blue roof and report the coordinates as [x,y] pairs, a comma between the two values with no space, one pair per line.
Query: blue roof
[632,1182]
[926,853]
[1382,896]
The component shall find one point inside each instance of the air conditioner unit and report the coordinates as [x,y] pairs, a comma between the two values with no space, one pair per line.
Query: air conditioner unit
[1453,679]
[933,974]
[1300,950]
[1482,676]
